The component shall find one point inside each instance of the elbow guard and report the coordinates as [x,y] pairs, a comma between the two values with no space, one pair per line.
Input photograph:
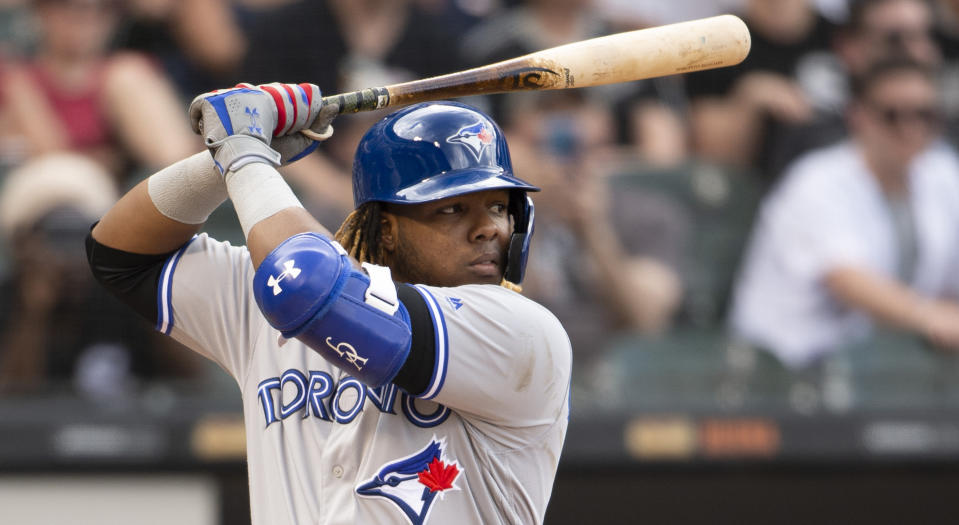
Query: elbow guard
[307,288]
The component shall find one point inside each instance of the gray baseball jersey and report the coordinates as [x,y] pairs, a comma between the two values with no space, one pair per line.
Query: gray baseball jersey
[481,445]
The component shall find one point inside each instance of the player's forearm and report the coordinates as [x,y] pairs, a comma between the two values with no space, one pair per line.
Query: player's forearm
[134,225]
[268,210]
[166,210]
[269,233]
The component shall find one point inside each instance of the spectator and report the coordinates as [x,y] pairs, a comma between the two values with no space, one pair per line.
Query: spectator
[397,40]
[181,36]
[878,29]
[860,232]
[736,112]
[531,26]
[307,27]
[602,265]
[350,44]
[16,34]
[947,35]
[657,12]
[56,326]
[874,30]
[74,94]
[835,10]
[647,113]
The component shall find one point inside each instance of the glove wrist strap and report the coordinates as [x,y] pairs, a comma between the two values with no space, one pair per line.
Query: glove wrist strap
[236,151]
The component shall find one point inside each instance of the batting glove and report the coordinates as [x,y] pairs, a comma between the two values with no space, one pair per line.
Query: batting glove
[299,107]
[237,125]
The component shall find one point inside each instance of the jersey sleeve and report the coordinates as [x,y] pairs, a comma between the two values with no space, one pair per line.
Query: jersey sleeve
[204,301]
[499,356]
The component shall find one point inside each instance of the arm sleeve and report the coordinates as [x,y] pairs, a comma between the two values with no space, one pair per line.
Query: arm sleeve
[131,277]
[497,356]
[414,377]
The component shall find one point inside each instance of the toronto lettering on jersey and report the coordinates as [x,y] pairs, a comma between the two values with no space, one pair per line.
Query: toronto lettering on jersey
[314,394]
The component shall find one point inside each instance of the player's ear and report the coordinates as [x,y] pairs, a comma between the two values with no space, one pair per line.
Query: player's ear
[388,231]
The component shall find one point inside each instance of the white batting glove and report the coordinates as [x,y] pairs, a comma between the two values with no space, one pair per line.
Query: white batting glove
[237,125]
[299,107]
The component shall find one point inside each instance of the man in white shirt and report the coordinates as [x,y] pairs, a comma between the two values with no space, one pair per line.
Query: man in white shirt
[859,232]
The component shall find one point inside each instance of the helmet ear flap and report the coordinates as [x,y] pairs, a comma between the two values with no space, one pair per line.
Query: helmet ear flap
[521,208]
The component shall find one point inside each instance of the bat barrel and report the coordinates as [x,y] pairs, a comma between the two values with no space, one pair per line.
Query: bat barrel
[672,49]
[684,47]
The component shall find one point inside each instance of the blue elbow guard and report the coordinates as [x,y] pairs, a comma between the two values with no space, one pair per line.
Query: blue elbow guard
[307,289]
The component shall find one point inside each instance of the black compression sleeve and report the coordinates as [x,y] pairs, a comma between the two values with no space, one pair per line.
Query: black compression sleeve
[132,277]
[416,373]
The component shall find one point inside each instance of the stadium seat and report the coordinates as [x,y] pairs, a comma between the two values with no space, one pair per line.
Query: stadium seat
[721,204]
[895,370]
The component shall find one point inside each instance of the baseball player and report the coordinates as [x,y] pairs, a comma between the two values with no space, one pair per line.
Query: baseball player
[389,373]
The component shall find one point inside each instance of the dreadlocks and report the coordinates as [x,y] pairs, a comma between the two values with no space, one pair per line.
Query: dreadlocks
[359,235]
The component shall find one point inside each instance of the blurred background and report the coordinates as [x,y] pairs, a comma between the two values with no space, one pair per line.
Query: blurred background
[758,266]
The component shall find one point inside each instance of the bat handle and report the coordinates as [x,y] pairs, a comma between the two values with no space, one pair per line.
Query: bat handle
[353,102]
[363,100]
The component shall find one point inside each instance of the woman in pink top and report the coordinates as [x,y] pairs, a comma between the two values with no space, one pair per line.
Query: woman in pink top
[75,94]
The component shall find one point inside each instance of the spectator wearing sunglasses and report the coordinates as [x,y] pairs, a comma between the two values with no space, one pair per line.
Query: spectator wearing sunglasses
[880,29]
[873,31]
[859,233]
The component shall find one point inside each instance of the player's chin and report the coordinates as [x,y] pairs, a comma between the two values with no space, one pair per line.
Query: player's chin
[485,273]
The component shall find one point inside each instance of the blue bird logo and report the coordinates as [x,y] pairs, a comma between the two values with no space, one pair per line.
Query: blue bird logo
[412,483]
[476,137]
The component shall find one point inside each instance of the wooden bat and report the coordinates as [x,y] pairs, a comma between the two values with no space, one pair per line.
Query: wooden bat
[684,47]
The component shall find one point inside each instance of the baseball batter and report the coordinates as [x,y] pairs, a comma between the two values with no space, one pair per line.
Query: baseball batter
[390,373]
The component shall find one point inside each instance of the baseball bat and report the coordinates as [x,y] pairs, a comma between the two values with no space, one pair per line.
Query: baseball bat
[683,47]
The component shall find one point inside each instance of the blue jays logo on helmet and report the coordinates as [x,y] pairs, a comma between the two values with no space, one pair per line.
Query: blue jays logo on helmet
[475,137]
[412,483]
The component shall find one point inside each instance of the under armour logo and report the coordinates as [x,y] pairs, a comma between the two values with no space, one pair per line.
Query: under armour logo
[253,114]
[349,353]
[288,271]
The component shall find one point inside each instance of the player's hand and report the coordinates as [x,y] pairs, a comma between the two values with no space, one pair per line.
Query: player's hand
[237,126]
[299,106]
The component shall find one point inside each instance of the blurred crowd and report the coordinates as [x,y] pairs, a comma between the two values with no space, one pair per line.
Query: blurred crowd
[803,202]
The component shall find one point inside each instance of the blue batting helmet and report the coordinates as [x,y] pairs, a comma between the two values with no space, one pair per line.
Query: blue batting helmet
[431,151]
